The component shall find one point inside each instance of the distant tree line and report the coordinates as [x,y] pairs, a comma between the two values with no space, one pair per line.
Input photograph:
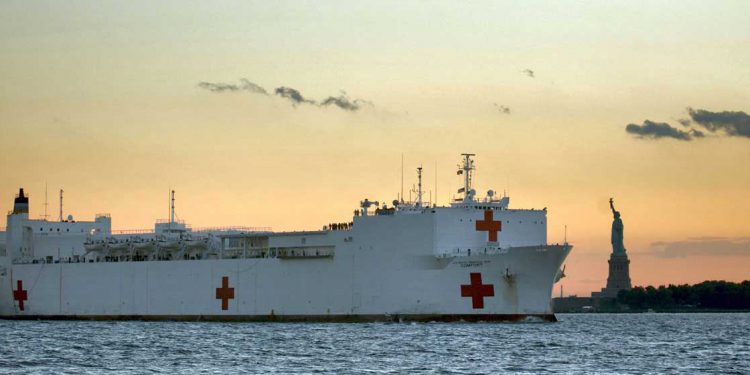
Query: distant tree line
[706,295]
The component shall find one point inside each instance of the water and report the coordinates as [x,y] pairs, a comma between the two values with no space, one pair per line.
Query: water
[584,343]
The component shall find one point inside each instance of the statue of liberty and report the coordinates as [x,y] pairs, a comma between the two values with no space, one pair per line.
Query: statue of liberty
[617,228]
[619,264]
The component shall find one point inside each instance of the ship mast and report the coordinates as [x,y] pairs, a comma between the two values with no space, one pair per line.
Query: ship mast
[419,186]
[61,205]
[45,202]
[466,168]
[402,177]
[171,211]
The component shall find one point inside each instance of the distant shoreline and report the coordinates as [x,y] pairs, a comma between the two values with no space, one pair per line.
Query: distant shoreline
[684,311]
[710,296]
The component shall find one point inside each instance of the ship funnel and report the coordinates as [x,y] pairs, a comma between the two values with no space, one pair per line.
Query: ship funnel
[21,203]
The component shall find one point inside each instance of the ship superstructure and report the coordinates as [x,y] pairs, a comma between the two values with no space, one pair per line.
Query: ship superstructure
[476,259]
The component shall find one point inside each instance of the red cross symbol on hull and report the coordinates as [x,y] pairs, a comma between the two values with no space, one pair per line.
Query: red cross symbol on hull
[490,226]
[225,293]
[20,295]
[477,291]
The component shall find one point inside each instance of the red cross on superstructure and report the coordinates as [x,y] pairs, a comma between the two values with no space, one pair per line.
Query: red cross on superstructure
[20,295]
[477,291]
[489,225]
[225,293]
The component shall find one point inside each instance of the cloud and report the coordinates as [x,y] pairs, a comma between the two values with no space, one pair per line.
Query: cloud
[245,85]
[293,95]
[711,246]
[252,87]
[342,101]
[733,124]
[218,87]
[528,72]
[726,123]
[656,130]
[502,109]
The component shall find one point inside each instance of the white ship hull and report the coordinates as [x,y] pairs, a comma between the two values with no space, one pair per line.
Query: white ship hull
[470,261]
[279,289]
[364,280]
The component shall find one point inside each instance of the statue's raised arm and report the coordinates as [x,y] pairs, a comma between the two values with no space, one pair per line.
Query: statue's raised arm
[612,205]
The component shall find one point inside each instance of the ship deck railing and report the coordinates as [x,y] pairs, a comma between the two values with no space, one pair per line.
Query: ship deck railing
[233,229]
[294,252]
[133,231]
[200,230]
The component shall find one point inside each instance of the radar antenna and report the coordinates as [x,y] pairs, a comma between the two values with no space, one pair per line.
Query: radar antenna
[365,204]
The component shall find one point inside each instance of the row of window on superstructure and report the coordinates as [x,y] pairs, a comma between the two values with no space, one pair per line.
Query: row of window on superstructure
[41,229]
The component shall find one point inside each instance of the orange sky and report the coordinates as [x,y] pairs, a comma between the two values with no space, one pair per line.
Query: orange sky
[104,102]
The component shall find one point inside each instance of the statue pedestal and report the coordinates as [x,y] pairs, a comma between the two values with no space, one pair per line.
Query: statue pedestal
[619,277]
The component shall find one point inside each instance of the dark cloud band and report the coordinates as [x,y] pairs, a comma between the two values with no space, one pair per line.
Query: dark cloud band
[245,85]
[292,95]
[726,123]
[733,124]
[656,130]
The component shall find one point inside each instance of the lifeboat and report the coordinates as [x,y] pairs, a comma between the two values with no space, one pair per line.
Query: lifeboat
[143,248]
[196,244]
[118,246]
[169,244]
[144,245]
[94,245]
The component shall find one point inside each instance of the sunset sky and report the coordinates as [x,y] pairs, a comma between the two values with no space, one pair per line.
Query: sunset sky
[287,114]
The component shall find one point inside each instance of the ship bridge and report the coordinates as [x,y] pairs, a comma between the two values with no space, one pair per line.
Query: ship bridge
[282,245]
